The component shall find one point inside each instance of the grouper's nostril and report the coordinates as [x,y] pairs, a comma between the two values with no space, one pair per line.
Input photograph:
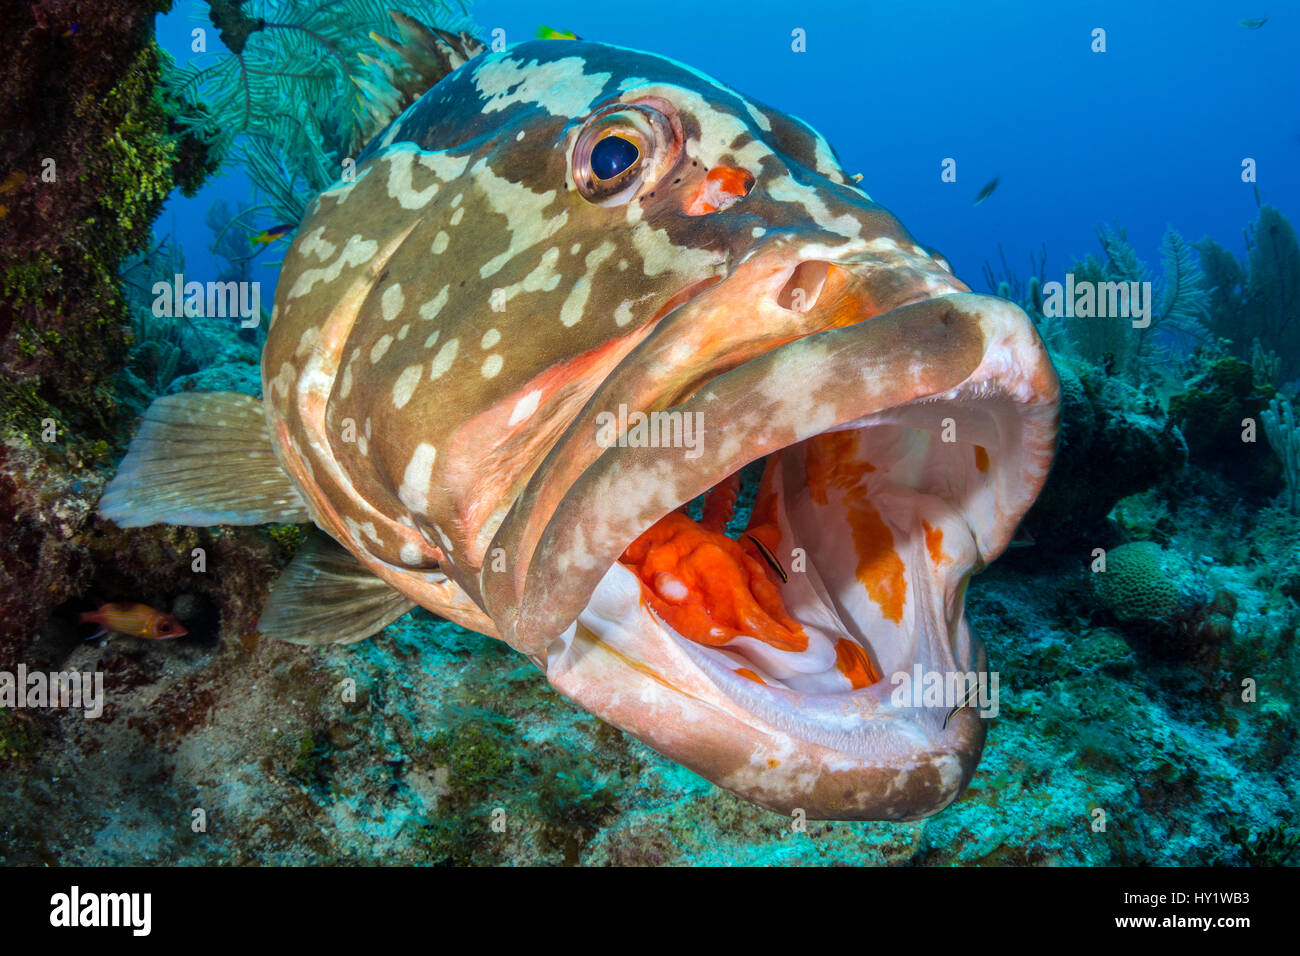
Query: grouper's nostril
[800,293]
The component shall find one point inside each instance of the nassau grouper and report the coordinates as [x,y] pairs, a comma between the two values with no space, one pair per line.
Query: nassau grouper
[568,290]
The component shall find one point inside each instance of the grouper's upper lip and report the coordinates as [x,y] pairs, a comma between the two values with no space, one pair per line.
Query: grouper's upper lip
[579,512]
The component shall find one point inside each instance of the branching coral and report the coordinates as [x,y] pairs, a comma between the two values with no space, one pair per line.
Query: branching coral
[1284,435]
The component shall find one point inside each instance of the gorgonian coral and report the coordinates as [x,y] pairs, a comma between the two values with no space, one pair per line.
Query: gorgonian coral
[282,85]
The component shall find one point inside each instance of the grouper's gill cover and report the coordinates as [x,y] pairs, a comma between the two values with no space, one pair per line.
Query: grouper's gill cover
[455,328]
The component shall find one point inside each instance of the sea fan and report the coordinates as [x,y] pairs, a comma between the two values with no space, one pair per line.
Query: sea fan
[161,346]
[1184,301]
[1257,299]
[284,98]
[1122,263]
[1271,305]
[1106,342]
[1176,324]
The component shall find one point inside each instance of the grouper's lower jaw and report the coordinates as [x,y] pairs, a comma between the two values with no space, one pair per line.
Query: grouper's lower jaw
[788,729]
[876,522]
[850,756]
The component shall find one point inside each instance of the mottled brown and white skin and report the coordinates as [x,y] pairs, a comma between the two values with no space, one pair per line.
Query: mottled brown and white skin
[453,326]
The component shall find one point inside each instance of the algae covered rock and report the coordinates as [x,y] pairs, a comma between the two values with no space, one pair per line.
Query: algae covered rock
[1114,442]
[91,154]
[1210,415]
[1144,516]
[1101,651]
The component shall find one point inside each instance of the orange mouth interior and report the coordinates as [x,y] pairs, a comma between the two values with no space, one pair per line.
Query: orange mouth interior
[712,589]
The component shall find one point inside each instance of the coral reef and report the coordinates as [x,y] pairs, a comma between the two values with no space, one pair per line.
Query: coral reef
[1113,443]
[1133,351]
[1213,414]
[1147,712]
[433,745]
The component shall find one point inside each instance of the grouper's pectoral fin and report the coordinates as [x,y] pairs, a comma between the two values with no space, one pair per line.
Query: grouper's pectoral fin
[326,596]
[202,459]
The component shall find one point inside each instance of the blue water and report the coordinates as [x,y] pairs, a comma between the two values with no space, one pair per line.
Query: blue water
[1148,134]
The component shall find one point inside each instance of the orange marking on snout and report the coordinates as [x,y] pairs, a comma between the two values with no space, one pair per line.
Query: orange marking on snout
[747,673]
[852,661]
[981,458]
[934,542]
[715,590]
[721,187]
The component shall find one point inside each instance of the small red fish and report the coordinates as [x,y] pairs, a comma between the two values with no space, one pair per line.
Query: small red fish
[136,620]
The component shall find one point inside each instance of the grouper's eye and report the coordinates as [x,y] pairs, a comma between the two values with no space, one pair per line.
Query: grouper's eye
[623,149]
[613,155]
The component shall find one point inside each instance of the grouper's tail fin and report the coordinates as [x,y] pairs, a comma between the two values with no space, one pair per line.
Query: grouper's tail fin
[202,459]
[326,596]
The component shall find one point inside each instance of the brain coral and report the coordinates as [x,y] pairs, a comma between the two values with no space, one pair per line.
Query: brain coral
[1141,581]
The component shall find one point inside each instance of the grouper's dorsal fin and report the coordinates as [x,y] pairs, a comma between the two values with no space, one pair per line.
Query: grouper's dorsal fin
[202,459]
[408,69]
[325,596]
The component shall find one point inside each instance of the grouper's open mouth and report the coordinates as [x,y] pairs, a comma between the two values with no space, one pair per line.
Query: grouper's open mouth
[897,454]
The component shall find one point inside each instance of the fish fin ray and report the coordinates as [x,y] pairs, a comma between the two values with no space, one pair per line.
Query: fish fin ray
[202,459]
[326,596]
[413,66]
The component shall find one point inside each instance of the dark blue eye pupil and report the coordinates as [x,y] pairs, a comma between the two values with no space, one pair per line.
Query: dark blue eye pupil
[611,156]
